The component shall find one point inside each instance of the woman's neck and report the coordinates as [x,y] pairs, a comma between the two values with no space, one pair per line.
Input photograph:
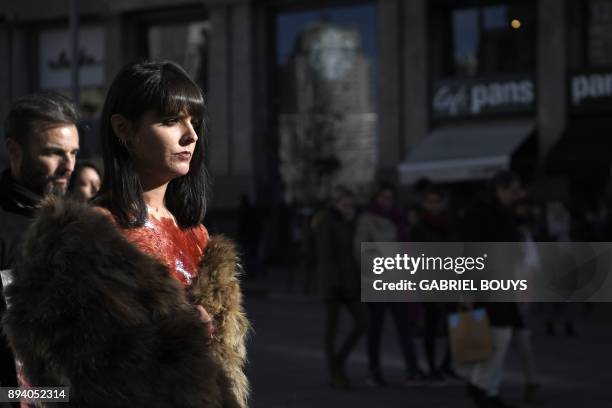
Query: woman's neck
[154,195]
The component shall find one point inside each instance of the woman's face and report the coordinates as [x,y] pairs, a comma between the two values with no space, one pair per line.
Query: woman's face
[162,147]
[87,183]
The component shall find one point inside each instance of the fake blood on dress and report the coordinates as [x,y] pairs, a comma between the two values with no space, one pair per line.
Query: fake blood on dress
[181,250]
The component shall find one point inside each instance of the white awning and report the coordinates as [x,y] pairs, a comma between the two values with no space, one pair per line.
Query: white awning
[465,152]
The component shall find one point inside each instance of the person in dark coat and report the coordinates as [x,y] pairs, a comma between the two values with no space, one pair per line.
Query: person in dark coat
[492,219]
[433,226]
[42,142]
[338,272]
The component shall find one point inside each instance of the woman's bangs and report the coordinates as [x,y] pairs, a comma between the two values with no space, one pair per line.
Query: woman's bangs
[182,96]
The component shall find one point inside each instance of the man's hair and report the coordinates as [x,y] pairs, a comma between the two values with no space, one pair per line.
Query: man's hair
[38,110]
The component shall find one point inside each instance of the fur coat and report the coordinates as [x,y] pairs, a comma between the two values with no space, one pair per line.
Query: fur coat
[89,311]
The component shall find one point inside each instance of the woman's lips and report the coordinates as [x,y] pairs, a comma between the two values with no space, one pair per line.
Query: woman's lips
[183,156]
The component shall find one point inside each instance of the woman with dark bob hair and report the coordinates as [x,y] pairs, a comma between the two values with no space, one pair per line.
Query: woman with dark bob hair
[129,302]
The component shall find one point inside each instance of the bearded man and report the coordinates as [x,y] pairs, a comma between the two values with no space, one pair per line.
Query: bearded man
[42,142]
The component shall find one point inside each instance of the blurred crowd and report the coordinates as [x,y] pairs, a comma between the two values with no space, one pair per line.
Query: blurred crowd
[502,210]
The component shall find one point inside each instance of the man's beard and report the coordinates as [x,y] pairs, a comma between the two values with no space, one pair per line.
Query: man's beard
[55,190]
[34,178]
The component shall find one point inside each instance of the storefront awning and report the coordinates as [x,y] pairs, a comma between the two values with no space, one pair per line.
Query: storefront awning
[465,152]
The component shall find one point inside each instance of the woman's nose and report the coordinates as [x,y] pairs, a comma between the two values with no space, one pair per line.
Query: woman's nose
[190,135]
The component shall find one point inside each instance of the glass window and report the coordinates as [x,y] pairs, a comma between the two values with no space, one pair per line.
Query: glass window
[491,39]
[466,38]
[55,59]
[495,17]
[184,43]
[599,33]
[326,60]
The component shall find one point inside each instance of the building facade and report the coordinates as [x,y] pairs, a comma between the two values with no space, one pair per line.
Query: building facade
[359,90]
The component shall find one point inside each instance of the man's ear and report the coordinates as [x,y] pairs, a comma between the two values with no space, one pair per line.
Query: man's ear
[122,127]
[15,155]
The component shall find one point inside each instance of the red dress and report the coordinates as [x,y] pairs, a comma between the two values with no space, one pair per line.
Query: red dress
[181,250]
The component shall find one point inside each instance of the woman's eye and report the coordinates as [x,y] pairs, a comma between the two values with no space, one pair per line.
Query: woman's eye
[170,122]
[195,125]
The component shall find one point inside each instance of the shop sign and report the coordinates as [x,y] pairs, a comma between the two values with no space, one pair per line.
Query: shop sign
[591,92]
[475,98]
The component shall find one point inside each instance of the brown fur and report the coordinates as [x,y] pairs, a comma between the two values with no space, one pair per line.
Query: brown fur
[217,289]
[90,311]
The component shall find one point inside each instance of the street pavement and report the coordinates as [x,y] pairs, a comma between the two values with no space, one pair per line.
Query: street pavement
[287,367]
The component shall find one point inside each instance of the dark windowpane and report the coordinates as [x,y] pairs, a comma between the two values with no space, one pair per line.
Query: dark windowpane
[599,33]
[496,18]
[493,40]
[183,43]
[466,36]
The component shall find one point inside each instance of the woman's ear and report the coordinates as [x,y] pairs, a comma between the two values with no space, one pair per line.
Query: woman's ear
[122,127]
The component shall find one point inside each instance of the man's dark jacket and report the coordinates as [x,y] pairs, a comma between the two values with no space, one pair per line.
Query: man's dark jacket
[17,206]
[337,269]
